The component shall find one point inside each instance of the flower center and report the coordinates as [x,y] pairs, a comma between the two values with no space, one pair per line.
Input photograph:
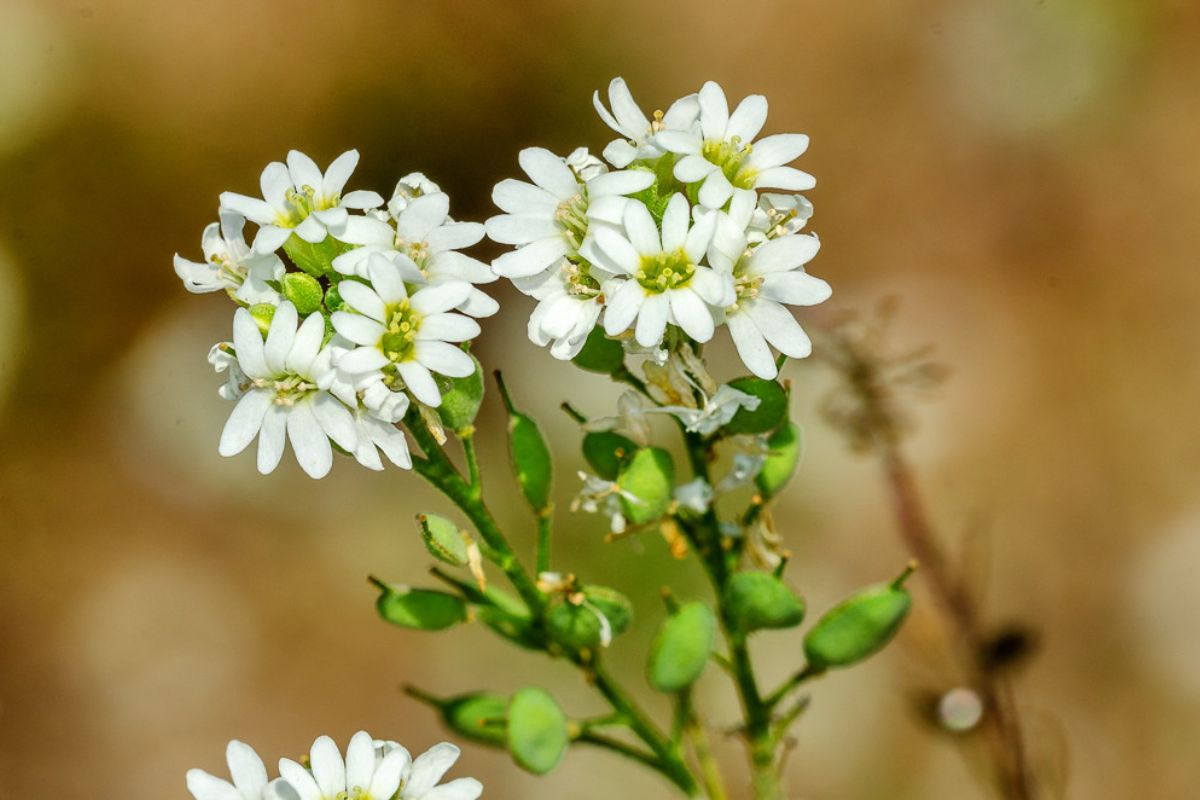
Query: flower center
[571,216]
[299,203]
[288,389]
[578,281]
[745,287]
[730,155]
[400,339]
[228,268]
[664,271]
[417,251]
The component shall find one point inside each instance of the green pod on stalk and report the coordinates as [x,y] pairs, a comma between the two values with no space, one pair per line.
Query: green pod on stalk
[682,648]
[859,626]
[757,601]
[647,482]
[537,734]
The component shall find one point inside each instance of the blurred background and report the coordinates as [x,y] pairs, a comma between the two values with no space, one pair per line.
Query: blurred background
[1022,174]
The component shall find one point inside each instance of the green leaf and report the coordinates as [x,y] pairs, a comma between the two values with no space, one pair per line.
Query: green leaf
[649,476]
[423,609]
[303,291]
[461,398]
[600,354]
[758,601]
[443,539]
[772,408]
[537,731]
[606,451]
[530,458]
[315,259]
[783,454]
[858,626]
[480,717]
[682,648]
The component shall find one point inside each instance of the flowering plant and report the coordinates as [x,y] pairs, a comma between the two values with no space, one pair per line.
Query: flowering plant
[352,336]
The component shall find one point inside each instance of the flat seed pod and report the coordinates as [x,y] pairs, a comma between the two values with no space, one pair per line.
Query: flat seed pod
[682,648]
[537,731]
[606,452]
[530,460]
[423,609]
[480,717]
[649,476]
[759,601]
[461,398]
[772,408]
[443,539]
[783,454]
[600,354]
[858,627]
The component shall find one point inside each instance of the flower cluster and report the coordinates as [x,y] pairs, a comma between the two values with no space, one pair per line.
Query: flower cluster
[372,770]
[350,309]
[678,234]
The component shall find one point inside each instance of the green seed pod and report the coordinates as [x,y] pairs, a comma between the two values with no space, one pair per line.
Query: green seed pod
[606,451]
[783,454]
[315,259]
[537,731]
[262,314]
[530,459]
[772,408]
[577,626]
[333,299]
[479,716]
[600,354]
[682,648]
[859,626]
[649,475]
[443,539]
[758,601]
[303,290]
[461,398]
[423,609]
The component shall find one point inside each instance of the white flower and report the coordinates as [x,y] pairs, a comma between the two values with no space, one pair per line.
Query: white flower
[361,775]
[721,152]
[298,198]
[600,496]
[403,337]
[249,778]
[409,188]
[230,264]
[695,496]
[666,283]
[630,420]
[419,236]
[628,120]
[767,277]
[717,410]
[551,218]
[282,399]
[570,301]
[779,215]
[421,776]
[376,435]
[223,360]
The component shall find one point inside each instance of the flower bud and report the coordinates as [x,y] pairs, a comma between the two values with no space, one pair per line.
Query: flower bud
[783,454]
[537,733]
[600,354]
[759,601]
[304,291]
[772,410]
[444,540]
[647,483]
[333,299]
[423,609]
[606,451]
[858,626]
[262,314]
[681,650]
[461,398]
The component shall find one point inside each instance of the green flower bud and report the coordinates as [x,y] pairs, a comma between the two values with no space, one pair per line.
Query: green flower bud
[424,609]
[461,398]
[858,626]
[606,451]
[333,299]
[315,259]
[262,314]
[649,475]
[480,717]
[758,601]
[772,408]
[528,454]
[443,539]
[304,291]
[600,354]
[783,454]
[681,650]
[537,731]
[600,614]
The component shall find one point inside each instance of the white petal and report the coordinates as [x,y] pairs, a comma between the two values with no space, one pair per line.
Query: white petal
[675,223]
[785,178]
[751,346]
[699,236]
[795,288]
[691,314]
[452,264]
[618,249]
[604,113]
[307,345]
[429,767]
[359,297]
[783,253]
[714,288]
[357,328]
[315,456]
[619,183]
[270,238]
[420,383]
[422,216]
[440,298]
[253,209]
[207,787]
[682,113]
[270,445]
[454,236]
[361,199]
[652,320]
[245,421]
[246,768]
[280,337]
[303,172]
[336,420]
[247,340]
[623,306]
[386,780]
[633,122]
[448,328]
[521,228]
[518,197]
[690,169]
[360,762]
[367,230]
[275,182]
[620,153]
[311,230]
[391,441]
[549,172]
[459,789]
[387,278]
[774,151]
[300,779]
[747,119]
[339,172]
[362,360]
[444,358]
[716,190]
[714,111]
[530,259]
[479,304]
[684,142]
[640,227]
[780,328]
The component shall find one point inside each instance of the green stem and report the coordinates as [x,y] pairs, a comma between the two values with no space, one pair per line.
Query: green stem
[710,772]
[621,748]
[467,437]
[791,683]
[545,522]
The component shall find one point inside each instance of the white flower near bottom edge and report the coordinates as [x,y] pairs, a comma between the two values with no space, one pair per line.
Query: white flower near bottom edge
[402,336]
[664,282]
[420,780]
[361,775]
[249,774]
[230,264]
[282,400]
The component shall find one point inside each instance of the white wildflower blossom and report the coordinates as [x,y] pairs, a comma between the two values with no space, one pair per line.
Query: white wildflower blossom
[665,282]
[630,421]
[695,496]
[403,337]
[298,198]
[600,496]
[249,779]
[767,277]
[229,264]
[282,399]
[639,132]
[720,152]
[409,188]
[421,777]
[224,362]
[778,215]
[716,411]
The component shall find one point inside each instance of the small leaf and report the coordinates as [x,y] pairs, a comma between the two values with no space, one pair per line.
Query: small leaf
[606,451]
[758,601]
[600,354]
[772,408]
[858,626]
[461,398]
[649,476]
[423,609]
[530,460]
[682,648]
[783,454]
[443,539]
[537,731]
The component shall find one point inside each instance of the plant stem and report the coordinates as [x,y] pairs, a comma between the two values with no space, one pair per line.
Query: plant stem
[710,772]
[545,521]
[621,748]
[790,684]
[474,478]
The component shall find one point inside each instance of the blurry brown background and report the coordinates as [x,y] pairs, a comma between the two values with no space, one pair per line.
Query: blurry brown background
[1024,175]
